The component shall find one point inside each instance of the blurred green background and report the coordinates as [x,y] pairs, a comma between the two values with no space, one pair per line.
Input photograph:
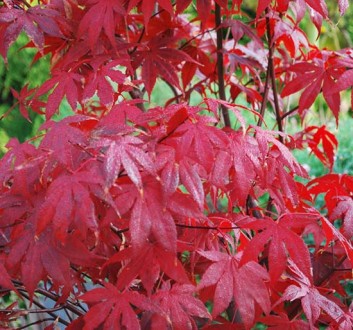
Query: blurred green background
[15,74]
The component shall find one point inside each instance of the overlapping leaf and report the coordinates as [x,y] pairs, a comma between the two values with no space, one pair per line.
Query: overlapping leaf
[314,78]
[125,153]
[113,309]
[34,21]
[63,84]
[282,243]
[236,282]
[178,307]
[314,302]
[102,16]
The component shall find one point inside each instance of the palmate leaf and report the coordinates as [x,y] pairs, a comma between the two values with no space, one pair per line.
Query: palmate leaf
[151,213]
[160,59]
[65,199]
[245,284]
[313,301]
[192,181]
[147,7]
[321,142]
[62,142]
[151,221]
[146,264]
[102,16]
[344,210]
[314,78]
[113,309]
[63,84]
[40,256]
[177,308]
[5,280]
[318,7]
[128,203]
[125,152]
[98,83]
[334,186]
[35,21]
[194,139]
[282,322]
[281,242]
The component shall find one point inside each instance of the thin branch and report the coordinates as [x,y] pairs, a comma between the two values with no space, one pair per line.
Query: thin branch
[118,231]
[285,115]
[265,96]
[36,322]
[174,90]
[207,227]
[52,314]
[136,93]
[68,305]
[220,67]
[273,77]
[32,311]
[185,226]
[195,37]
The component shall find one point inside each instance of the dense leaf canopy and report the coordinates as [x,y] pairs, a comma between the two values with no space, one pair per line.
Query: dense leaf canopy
[186,214]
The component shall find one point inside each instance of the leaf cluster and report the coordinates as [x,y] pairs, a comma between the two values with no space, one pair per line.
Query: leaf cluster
[183,216]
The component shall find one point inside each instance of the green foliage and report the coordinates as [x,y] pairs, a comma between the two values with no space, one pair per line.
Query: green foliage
[19,71]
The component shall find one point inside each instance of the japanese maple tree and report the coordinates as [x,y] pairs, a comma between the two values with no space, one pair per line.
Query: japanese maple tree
[186,214]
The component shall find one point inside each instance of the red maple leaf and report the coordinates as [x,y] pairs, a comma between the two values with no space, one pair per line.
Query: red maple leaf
[146,264]
[177,308]
[148,6]
[64,219]
[102,15]
[113,309]
[98,82]
[282,322]
[281,242]
[245,284]
[333,186]
[125,152]
[35,21]
[62,84]
[313,302]
[159,59]
[320,75]
[321,142]
[344,210]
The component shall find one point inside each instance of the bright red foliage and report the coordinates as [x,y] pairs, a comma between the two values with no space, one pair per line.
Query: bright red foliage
[181,216]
